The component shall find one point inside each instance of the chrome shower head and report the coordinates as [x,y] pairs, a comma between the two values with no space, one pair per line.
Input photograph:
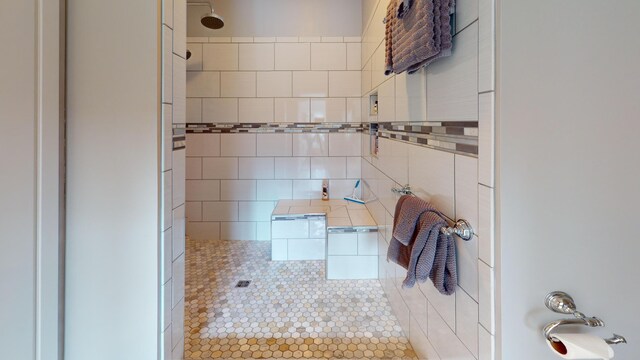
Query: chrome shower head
[212,20]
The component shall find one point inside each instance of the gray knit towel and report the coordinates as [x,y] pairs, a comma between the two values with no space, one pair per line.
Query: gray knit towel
[417,33]
[430,254]
[408,211]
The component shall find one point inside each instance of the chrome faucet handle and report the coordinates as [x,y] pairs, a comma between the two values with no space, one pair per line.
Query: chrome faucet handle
[404,190]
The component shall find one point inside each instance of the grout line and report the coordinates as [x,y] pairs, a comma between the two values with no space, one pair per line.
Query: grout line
[487,330]
[484,262]
[464,28]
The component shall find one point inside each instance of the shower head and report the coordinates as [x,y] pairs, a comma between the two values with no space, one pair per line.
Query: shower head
[212,20]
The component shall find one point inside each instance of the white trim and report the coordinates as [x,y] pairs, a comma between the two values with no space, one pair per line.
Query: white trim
[48,176]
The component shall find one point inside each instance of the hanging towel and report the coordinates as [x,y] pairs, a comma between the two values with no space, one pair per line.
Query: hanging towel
[389,22]
[430,254]
[417,32]
[408,211]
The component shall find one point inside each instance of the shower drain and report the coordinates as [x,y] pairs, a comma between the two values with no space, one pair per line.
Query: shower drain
[243,283]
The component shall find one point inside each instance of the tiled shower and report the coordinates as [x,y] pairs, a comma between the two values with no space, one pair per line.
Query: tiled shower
[173,222]
[271,118]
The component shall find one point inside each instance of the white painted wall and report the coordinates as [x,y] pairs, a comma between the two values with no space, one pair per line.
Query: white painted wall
[30,196]
[569,99]
[113,117]
[280,18]
[18,158]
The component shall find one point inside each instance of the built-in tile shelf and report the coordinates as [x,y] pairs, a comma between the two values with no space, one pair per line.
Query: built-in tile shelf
[373,104]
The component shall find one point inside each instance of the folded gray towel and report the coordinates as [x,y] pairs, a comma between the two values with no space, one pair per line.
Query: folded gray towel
[430,254]
[417,32]
[442,34]
[408,211]
[403,7]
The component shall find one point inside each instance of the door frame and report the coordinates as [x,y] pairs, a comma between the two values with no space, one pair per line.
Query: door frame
[50,170]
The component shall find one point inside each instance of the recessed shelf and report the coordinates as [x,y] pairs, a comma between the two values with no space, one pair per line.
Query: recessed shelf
[373,104]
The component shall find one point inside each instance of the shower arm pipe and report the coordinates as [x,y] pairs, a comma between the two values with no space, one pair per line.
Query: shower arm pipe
[201,3]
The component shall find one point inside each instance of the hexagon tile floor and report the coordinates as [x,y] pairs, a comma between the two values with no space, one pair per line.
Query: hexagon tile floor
[288,311]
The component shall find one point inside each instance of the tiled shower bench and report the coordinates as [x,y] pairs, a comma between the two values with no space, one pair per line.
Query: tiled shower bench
[342,232]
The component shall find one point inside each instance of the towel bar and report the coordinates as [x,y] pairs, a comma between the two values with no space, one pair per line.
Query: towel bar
[461,227]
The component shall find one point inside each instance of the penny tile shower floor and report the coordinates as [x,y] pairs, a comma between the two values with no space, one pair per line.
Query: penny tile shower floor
[288,311]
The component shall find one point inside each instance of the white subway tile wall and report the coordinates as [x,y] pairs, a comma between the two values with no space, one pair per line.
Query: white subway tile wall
[344,83]
[255,110]
[220,110]
[167,64]
[310,84]
[194,110]
[256,57]
[175,169]
[275,145]
[234,179]
[238,84]
[290,56]
[328,110]
[203,84]
[179,88]
[327,56]
[287,71]
[217,57]
[310,144]
[292,110]
[457,88]
[274,84]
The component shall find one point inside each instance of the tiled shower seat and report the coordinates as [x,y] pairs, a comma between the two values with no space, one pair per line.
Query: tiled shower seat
[344,233]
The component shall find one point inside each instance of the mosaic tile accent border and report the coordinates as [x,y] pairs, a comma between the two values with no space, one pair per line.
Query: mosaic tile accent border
[351,229]
[314,216]
[235,128]
[453,136]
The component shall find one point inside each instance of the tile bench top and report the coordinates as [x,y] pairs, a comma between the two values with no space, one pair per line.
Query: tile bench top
[339,213]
